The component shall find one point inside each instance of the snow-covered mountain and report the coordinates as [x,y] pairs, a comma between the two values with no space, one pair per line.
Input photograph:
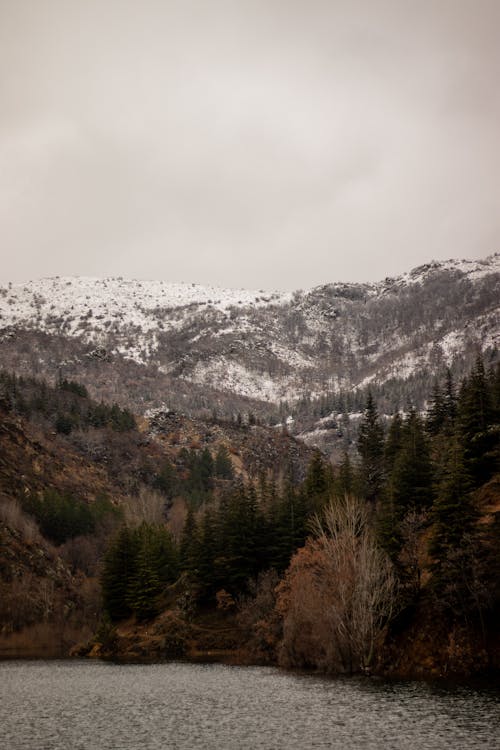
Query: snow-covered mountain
[266,346]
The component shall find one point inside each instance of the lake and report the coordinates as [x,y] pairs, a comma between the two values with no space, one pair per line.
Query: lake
[73,705]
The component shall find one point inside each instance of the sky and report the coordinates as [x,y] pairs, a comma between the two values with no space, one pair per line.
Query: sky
[247,143]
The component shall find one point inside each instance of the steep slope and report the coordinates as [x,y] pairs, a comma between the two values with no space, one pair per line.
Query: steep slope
[237,350]
[70,470]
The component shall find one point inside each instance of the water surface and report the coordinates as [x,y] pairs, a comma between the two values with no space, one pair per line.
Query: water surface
[79,705]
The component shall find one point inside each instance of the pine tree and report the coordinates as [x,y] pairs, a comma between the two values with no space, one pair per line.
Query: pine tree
[449,403]
[144,585]
[242,531]
[120,566]
[166,480]
[453,544]
[223,464]
[345,482]
[371,450]
[411,481]
[435,416]
[409,487]
[318,483]
[189,544]
[452,510]
[206,571]
[476,417]
[393,443]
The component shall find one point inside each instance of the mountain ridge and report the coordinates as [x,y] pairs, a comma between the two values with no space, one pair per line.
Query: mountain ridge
[238,350]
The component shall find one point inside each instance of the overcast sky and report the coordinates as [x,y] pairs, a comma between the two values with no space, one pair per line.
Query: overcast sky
[248,143]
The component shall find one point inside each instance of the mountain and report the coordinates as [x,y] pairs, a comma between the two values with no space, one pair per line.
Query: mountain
[210,505]
[200,349]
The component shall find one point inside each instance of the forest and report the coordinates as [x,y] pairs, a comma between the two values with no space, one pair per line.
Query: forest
[385,561]
[323,573]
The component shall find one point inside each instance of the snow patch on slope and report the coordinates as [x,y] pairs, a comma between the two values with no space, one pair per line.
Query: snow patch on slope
[234,377]
[129,302]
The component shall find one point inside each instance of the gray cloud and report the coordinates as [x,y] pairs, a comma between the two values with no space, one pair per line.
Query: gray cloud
[247,143]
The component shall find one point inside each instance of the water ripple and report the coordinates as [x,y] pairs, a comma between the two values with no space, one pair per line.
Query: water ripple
[72,705]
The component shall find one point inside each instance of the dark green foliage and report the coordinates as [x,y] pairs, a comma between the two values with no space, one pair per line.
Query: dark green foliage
[234,541]
[411,480]
[60,516]
[436,411]
[371,451]
[478,427]
[138,566]
[166,481]
[318,483]
[393,444]
[64,424]
[239,528]
[188,553]
[409,488]
[462,455]
[345,480]
[223,464]
[102,415]
[490,564]
[286,527]
[197,485]
[442,409]
[144,587]
[78,389]
[455,541]
[453,511]
[66,407]
[206,551]
[120,566]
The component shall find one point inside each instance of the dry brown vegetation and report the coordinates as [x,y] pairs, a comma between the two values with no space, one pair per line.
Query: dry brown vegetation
[338,594]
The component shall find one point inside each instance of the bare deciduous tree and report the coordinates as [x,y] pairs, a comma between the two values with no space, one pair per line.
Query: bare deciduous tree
[148,506]
[338,594]
[12,515]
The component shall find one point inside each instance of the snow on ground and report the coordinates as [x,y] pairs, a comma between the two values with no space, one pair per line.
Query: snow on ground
[291,357]
[132,314]
[231,376]
[116,300]
[473,269]
[312,436]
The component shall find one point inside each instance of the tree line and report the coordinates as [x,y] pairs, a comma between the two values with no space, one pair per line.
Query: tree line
[418,484]
[66,406]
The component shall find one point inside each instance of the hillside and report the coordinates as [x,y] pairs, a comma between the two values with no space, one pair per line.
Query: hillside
[200,349]
[72,470]
[147,515]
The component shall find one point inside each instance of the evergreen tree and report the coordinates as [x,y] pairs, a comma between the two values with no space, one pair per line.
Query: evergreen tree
[206,572]
[144,586]
[452,510]
[449,403]
[393,443]
[371,450]
[409,487]
[454,539]
[476,417]
[165,553]
[120,566]
[435,416]
[223,464]
[189,544]
[318,483]
[411,482]
[166,480]
[346,481]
